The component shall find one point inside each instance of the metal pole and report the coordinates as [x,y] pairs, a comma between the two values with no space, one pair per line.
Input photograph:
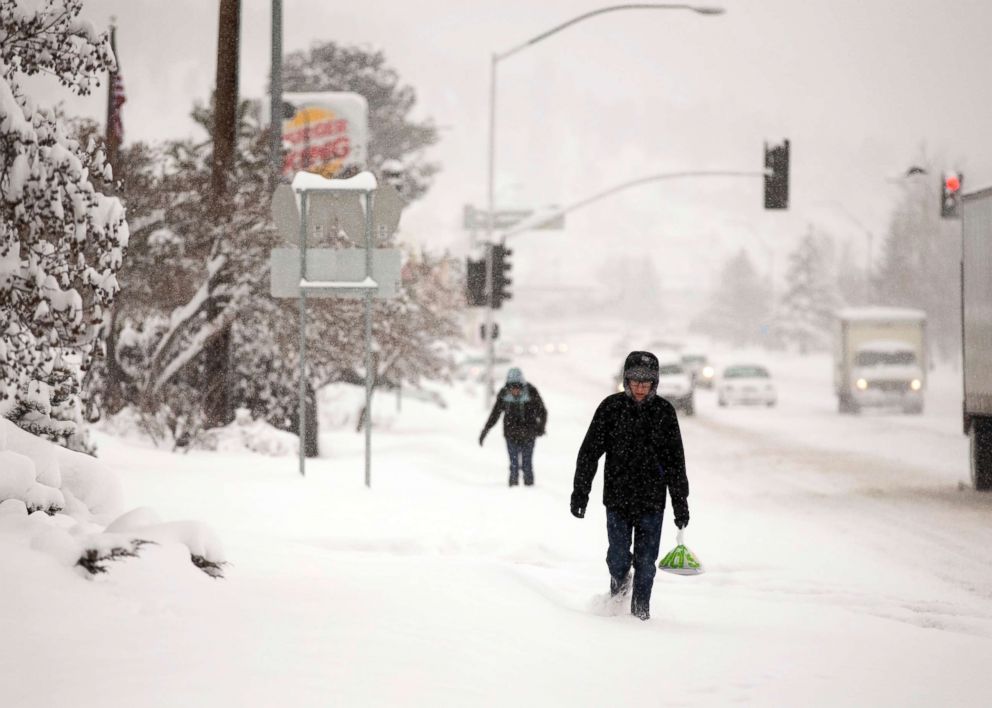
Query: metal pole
[368,341]
[490,215]
[275,125]
[869,287]
[303,334]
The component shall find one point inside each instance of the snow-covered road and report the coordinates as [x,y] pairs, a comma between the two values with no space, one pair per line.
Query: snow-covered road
[845,566]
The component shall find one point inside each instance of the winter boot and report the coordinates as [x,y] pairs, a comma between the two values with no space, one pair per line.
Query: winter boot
[619,586]
[640,608]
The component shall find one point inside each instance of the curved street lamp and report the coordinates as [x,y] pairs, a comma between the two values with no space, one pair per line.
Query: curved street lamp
[495,59]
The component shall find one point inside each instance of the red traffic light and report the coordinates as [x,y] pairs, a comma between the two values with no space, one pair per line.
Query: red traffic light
[952,183]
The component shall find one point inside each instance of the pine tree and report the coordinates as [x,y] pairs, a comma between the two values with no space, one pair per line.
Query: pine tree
[739,312]
[61,241]
[920,264]
[806,309]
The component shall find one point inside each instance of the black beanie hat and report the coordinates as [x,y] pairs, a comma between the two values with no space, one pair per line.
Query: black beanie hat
[641,366]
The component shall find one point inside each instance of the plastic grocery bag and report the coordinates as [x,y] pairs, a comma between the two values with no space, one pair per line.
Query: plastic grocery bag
[680,560]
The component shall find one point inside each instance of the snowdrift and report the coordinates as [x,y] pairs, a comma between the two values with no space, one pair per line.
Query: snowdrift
[67,505]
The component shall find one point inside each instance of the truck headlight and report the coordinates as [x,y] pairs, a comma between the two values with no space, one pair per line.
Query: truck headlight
[916,384]
[862,384]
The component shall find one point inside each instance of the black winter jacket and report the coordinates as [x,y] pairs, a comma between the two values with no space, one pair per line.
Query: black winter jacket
[644,456]
[521,421]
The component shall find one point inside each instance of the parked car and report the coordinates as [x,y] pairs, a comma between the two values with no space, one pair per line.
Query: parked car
[674,383]
[697,364]
[746,383]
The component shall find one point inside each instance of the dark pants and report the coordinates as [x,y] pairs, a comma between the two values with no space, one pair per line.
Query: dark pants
[645,530]
[521,455]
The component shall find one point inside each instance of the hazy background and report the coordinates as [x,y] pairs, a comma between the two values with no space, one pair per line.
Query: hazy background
[862,89]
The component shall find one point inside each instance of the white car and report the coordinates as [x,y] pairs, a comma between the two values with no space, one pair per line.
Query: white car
[746,383]
[675,385]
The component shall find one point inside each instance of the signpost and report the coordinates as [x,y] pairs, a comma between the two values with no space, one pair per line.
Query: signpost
[310,206]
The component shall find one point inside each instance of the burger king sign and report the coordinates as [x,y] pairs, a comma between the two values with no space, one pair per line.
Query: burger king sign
[324,133]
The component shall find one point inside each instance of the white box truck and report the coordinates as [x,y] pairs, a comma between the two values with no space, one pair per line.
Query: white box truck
[880,358]
[976,328]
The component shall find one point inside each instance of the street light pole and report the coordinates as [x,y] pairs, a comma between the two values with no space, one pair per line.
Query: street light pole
[490,217]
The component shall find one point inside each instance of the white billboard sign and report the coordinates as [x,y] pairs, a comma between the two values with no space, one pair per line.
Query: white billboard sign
[325,133]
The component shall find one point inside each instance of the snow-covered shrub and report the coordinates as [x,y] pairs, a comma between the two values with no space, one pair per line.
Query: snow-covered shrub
[61,241]
[245,434]
[67,504]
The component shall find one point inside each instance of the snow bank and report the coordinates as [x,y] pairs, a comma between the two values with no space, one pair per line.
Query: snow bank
[40,473]
[54,500]
[246,434]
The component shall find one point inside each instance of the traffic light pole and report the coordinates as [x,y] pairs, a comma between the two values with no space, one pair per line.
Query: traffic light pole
[490,216]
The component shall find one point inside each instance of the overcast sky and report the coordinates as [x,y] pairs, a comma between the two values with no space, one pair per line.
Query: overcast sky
[862,88]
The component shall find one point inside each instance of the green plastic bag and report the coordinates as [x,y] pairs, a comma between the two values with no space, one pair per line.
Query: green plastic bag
[680,560]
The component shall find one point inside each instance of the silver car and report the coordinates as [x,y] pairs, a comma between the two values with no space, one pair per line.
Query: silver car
[748,384]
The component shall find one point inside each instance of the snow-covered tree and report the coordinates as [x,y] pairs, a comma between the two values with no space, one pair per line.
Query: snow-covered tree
[393,133]
[806,308]
[61,240]
[163,320]
[920,262]
[739,312]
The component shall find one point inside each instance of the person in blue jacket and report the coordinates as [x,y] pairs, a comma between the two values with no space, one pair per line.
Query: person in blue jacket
[524,420]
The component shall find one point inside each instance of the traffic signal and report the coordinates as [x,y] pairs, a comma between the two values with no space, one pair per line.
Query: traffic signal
[777,176]
[501,269]
[482,331]
[950,195]
[475,283]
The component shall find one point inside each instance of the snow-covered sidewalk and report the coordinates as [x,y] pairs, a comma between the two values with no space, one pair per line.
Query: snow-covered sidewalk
[440,586]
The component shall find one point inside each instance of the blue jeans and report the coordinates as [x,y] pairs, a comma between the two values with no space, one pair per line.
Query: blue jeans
[645,531]
[521,455]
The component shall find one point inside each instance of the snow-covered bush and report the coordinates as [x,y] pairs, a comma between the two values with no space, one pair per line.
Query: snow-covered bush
[247,435]
[68,505]
[61,241]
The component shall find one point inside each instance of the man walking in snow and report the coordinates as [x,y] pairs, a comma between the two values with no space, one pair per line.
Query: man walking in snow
[639,433]
[524,419]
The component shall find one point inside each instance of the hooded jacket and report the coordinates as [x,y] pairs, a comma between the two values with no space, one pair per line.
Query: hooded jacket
[643,447]
[524,417]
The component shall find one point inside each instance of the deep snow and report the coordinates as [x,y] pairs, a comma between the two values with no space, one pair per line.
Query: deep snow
[846,564]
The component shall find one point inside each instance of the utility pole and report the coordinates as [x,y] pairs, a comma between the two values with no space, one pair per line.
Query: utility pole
[218,408]
[225,97]
[275,81]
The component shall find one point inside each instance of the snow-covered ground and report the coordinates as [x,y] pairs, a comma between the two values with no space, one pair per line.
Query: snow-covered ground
[847,563]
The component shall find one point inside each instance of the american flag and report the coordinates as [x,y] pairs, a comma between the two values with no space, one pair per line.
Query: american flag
[117,99]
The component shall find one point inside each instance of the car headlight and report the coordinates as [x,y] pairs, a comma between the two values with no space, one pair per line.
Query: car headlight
[861,384]
[916,384]
[707,372]
[562,348]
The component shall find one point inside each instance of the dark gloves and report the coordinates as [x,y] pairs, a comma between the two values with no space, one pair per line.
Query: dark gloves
[579,505]
[482,436]
[682,520]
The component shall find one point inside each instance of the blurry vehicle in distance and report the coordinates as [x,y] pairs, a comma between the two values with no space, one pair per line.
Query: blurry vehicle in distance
[699,367]
[534,348]
[674,383]
[747,384]
[473,368]
[879,358]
